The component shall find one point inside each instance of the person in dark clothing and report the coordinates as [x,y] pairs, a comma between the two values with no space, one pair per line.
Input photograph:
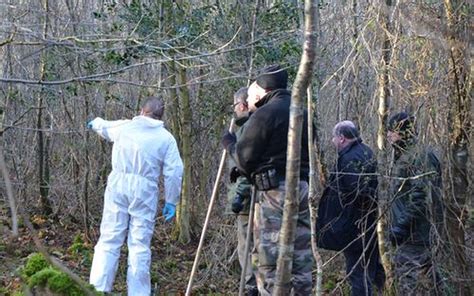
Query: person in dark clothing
[260,153]
[416,209]
[347,211]
[239,191]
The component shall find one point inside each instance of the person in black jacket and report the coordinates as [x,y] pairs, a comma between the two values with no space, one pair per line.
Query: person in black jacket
[347,211]
[260,154]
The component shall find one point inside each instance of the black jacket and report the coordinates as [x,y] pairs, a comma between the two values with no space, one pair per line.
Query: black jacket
[348,206]
[264,138]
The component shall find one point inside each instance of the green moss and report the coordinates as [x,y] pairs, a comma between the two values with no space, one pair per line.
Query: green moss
[41,277]
[62,284]
[329,285]
[36,262]
[77,245]
[80,251]
[38,273]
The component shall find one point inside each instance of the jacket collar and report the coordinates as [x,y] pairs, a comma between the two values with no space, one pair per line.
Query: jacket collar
[239,121]
[148,120]
[346,149]
[271,95]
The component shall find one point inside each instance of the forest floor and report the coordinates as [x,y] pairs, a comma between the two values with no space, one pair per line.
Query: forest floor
[170,269]
[171,262]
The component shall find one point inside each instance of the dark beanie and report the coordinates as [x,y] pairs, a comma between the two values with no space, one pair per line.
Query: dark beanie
[272,77]
[401,122]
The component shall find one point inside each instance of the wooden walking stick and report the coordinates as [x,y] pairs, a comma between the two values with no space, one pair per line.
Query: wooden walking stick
[208,215]
[247,241]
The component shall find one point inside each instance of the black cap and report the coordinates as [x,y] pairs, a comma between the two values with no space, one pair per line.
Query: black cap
[403,124]
[272,77]
[400,122]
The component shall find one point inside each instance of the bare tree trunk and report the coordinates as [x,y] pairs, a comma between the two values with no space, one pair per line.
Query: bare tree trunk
[42,149]
[290,212]
[8,68]
[252,38]
[186,137]
[313,192]
[86,179]
[384,79]
[384,103]
[460,135]
[355,91]
[173,114]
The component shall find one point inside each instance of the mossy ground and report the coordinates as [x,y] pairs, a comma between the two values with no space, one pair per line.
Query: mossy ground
[170,269]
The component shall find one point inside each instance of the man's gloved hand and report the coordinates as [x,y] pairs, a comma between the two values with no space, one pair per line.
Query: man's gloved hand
[397,235]
[234,174]
[237,204]
[169,211]
[227,139]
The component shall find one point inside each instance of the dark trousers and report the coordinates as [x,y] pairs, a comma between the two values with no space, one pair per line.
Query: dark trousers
[364,271]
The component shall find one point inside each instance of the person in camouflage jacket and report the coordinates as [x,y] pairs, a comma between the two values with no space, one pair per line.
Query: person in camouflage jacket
[239,194]
[416,209]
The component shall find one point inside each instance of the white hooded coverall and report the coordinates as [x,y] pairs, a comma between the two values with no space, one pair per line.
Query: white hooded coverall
[143,150]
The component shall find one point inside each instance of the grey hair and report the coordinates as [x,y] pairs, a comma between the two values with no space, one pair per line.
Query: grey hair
[346,129]
[154,107]
[241,95]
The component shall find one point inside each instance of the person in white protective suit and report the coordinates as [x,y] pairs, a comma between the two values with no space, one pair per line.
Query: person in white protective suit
[142,151]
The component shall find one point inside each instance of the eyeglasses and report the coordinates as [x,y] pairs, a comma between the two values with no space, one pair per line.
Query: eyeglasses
[236,104]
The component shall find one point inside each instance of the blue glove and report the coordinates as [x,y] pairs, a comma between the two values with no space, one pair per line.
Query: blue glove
[89,124]
[169,210]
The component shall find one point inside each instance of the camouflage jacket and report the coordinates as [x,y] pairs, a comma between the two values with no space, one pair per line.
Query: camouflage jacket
[242,185]
[416,202]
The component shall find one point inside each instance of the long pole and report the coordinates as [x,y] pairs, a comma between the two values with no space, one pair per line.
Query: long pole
[208,215]
[247,241]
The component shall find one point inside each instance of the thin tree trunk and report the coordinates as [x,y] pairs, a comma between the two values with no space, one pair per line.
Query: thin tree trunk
[459,128]
[252,38]
[290,212]
[354,68]
[186,121]
[8,68]
[383,79]
[313,192]
[384,103]
[86,179]
[42,150]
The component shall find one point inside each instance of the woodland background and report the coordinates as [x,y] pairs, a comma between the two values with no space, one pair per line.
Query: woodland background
[63,62]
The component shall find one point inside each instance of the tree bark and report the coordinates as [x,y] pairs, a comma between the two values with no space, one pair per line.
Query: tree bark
[290,212]
[384,103]
[186,139]
[460,135]
[314,190]
[42,149]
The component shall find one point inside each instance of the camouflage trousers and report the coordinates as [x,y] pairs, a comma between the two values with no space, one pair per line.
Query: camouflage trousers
[414,271]
[242,225]
[268,219]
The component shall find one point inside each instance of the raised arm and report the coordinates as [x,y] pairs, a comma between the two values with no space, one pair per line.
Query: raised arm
[107,129]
